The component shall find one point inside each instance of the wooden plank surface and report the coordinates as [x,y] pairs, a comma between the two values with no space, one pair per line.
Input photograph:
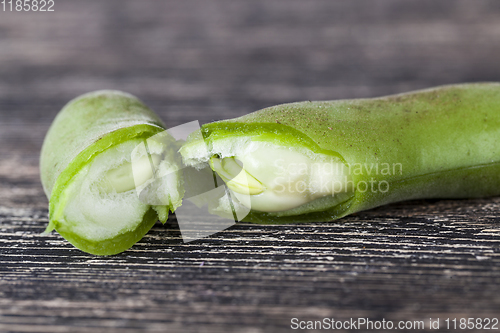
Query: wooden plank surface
[208,60]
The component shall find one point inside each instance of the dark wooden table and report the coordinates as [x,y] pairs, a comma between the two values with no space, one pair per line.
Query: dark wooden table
[208,60]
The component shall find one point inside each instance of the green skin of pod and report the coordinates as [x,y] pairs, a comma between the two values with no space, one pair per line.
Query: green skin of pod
[446,139]
[85,127]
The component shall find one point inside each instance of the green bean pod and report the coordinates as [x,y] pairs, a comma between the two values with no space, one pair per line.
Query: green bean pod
[86,170]
[353,155]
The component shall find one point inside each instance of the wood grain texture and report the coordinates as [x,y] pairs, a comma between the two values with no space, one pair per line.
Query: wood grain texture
[209,60]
